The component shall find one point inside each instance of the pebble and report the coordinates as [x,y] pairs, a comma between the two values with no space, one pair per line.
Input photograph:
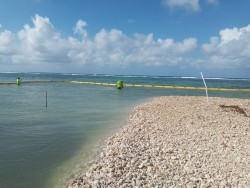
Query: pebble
[176,142]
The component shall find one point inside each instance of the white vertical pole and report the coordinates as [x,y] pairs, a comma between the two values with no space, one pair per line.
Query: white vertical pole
[205,85]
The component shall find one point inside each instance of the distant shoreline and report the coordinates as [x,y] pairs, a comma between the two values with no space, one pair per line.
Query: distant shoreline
[129,75]
[177,141]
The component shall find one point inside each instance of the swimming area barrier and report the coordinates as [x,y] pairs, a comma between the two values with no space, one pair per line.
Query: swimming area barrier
[132,85]
[93,83]
[163,86]
[34,81]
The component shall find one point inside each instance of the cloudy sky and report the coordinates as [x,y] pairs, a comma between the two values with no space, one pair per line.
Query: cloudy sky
[147,37]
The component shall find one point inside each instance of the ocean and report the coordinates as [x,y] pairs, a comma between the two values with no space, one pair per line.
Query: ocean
[47,147]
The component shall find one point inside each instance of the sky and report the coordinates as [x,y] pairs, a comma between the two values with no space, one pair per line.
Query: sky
[129,37]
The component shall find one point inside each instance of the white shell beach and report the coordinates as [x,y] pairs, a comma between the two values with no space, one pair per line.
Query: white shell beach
[177,142]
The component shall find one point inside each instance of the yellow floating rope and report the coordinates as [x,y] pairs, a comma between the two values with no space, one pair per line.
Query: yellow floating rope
[35,81]
[93,83]
[134,85]
[165,87]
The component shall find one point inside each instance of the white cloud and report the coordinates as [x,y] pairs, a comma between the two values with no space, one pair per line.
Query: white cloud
[79,28]
[7,42]
[41,44]
[230,49]
[189,5]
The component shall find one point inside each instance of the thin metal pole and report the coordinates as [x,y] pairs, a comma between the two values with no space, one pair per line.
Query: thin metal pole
[46,99]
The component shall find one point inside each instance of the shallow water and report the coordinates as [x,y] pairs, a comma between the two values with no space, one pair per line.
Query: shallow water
[42,147]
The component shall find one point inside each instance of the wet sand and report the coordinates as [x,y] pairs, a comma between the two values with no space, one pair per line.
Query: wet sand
[177,142]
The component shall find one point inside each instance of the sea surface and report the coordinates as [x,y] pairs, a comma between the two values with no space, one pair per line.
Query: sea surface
[46,147]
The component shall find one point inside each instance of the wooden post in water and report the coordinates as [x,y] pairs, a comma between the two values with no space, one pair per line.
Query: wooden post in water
[46,99]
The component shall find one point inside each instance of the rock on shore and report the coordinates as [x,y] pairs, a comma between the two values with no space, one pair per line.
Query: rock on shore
[177,142]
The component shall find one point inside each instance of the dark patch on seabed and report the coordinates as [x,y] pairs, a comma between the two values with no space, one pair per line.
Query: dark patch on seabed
[234,108]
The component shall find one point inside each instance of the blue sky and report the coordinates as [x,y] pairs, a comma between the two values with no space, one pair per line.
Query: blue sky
[148,37]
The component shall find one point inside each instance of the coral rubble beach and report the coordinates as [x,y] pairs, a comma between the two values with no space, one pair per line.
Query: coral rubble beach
[177,142]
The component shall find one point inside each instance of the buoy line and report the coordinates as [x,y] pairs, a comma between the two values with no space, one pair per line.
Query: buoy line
[132,85]
[34,81]
[165,87]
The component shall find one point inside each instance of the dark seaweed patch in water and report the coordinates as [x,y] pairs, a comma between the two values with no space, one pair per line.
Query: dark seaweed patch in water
[234,108]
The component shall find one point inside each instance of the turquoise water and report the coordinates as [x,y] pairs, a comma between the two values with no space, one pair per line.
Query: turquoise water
[42,147]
